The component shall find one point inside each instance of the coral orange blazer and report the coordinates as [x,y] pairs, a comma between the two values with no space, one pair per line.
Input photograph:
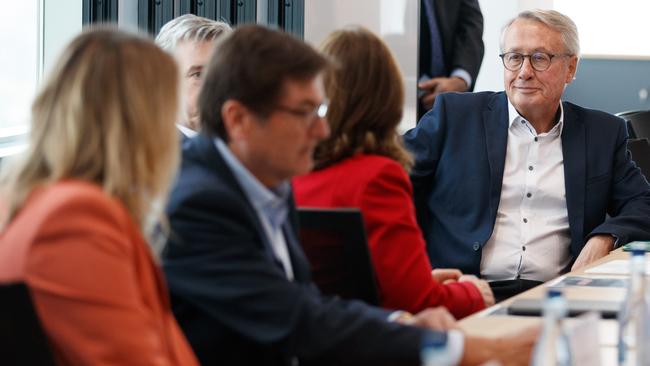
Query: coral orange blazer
[98,293]
[381,189]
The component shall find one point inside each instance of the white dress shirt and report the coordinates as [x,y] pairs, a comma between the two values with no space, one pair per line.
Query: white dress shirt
[531,235]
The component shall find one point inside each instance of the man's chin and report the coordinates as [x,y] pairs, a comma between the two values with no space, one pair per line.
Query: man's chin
[194,124]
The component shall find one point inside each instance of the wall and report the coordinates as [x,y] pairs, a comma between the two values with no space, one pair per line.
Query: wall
[62,20]
[396,21]
[611,85]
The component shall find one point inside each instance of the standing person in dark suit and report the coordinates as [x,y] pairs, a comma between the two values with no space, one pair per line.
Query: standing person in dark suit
[516,186]
[451,48]
[240,284]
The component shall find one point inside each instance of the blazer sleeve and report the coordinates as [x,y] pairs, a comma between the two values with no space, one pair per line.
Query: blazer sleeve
[82,275]
[398,250]
[222,268]
[629,197]
[425,143]
[468,47]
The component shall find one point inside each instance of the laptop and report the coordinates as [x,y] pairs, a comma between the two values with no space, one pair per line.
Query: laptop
[335,242]
[533,307]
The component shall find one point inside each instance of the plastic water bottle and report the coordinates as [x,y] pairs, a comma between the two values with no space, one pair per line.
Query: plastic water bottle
[552,348]
[434,350]
[633,318]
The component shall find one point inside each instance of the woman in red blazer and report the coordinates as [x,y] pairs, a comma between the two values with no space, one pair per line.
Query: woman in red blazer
[363,164]
[103,148]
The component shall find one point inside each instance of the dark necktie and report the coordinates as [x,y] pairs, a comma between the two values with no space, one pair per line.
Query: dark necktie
[437,59]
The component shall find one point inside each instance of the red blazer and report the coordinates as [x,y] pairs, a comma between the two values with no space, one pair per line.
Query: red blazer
[98,293]
[380,187]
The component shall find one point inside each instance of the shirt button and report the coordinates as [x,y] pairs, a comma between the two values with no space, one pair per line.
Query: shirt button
[529,195]
[523,248]
[530,167]
[525,220]
[535,139]
[476,246]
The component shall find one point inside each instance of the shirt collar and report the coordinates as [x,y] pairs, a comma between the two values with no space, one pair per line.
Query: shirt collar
[186,131]
[514,116]
[273,204]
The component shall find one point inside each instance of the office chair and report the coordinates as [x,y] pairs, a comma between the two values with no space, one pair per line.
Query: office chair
[22,341]
[640,150]
[638,123]
[336,246]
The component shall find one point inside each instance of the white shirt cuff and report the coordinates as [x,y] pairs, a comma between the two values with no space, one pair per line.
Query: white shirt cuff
[455,345]
[461,73]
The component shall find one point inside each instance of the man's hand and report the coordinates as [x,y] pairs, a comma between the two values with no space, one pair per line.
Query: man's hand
[482,286]
[446,275]
[512,350]
[596,247]
[439,85]
[434,318]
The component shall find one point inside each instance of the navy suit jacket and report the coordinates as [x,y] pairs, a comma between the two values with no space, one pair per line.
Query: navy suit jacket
[231,296]
[460,149]
[460,24]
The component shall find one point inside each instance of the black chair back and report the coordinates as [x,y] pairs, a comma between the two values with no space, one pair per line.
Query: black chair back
[22,341]
[638,123]
[640,150]
[335,243]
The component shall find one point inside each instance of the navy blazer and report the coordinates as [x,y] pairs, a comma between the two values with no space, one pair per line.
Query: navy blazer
[460,148]
[231,296]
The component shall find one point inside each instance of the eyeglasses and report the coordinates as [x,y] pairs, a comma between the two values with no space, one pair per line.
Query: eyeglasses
[307,116]
[540,61]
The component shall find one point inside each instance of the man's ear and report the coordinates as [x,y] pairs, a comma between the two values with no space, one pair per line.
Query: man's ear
[236,119]
[573,68]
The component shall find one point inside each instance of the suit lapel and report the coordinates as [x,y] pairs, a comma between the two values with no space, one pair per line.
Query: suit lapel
[574,155]
[212,159]
[495,123]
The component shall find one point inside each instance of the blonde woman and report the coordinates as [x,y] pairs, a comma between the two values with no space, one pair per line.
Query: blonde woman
[364,164]
[103,148]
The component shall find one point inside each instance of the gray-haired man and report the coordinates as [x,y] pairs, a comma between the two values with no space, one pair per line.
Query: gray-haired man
[190,39]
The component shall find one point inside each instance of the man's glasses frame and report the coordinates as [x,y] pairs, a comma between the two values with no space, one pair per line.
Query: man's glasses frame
[309,117]
[540,61]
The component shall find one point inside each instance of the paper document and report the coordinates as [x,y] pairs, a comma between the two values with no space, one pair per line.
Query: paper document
[618,267]
[582,281]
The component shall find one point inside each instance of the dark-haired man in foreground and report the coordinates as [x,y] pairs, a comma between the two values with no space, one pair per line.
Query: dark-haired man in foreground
[240,283]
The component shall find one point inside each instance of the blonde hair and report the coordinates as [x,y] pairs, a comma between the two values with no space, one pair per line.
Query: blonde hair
[105,115]
[366,99]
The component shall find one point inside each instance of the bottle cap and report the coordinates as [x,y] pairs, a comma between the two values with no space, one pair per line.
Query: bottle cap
[434,340]
[553,292]
[638,247]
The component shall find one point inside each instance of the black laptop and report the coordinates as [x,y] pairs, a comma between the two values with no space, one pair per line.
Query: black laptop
[335,243]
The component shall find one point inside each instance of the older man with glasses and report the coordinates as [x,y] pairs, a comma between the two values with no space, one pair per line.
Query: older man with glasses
[517,186]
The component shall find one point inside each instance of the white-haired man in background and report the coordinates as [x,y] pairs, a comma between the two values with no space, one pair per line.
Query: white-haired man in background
[190,39]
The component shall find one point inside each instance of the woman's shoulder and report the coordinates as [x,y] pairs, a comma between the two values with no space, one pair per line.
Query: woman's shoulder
[370,163]
[72,200]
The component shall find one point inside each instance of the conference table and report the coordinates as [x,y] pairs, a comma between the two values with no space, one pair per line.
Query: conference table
[495,321]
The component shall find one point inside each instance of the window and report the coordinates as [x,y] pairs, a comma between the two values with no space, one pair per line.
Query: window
[19,70]
[614,29]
